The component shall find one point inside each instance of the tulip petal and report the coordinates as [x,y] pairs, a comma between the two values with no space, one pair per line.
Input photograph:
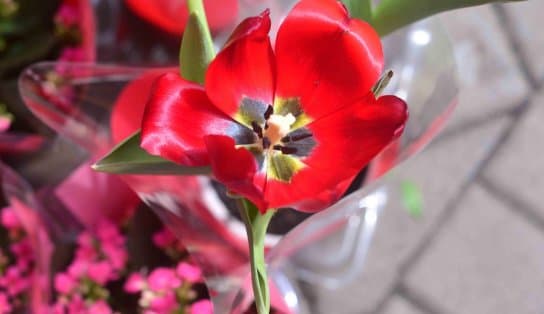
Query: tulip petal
[324,58]
[171,16]
[323,199]
[178,116]
[235,168]
[240,80]
[346,141]
[127,112]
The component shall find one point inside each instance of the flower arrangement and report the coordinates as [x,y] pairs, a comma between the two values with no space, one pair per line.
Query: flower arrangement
[100,271]
[16,264]
[270,121]
[284,119]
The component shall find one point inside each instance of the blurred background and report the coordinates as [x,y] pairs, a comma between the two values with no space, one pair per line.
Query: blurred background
[478,244]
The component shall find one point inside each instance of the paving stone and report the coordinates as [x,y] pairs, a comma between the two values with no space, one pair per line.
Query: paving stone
[439,172]
[486,260]
[398,305]
[519,167]
[489,78]
[526,19]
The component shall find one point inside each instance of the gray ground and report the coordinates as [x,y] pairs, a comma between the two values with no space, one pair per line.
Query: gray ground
[479,246]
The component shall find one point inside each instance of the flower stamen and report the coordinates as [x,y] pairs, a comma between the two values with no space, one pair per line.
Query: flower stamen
[295,138]
[257,129]
[278,127]
[269,111]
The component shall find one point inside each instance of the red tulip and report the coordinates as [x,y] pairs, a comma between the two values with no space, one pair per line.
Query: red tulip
[171,15]
[280,126]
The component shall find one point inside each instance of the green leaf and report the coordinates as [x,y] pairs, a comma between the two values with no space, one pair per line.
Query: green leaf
[197,49]
[390,15]
[412,198]
[361,9]
[129,158]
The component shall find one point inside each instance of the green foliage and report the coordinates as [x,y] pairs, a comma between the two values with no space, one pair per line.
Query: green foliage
[412,198]
[197,50]
[390,15]
[129,158]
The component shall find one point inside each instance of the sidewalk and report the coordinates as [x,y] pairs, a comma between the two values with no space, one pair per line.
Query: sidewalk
[479,246]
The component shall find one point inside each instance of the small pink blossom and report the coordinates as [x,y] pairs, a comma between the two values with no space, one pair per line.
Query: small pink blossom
[22,249]
[64,283]
[100,272]
[163,278]
[202,307]
[115,253]
[14,280]
[5,306]
[10,219]
[164,303]
[135,283]
[100,307]
[5,123]
[78,268]
[164,238]
[189,272]
[76,305]
[85,240]
[67,15]
[86,253]
[107,231]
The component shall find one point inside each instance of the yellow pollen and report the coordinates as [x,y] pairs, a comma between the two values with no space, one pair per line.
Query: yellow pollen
[278,127]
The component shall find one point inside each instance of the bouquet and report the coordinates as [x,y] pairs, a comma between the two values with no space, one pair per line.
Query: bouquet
[280,122]
[279,117]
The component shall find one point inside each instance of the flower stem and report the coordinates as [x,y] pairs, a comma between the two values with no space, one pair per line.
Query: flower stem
[197,49]
[256,226]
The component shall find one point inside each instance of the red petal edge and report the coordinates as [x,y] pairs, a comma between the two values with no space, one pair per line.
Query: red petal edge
[347,140]
[324,58]
[244,68]
[177,117]
[235,168]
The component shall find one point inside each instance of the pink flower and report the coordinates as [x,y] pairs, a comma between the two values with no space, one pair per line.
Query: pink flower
[22,249]
[64,284]
[13,281]
[78,268]
[163,278]
[164,303]
[72,54]
[189,272]
[100,307]
[164,238]
[202,307]
[108,232]
[76,305]
[85,240]
[5,123]
[115,253]
[86,253]
[5,306]
[100,272]
[135,283]
[10,219]
[67,15]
